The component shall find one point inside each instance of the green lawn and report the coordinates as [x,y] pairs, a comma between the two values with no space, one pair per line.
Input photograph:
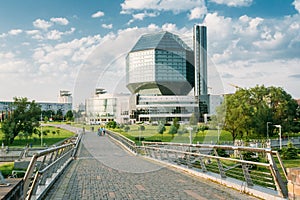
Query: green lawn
[51,136]
[150,134]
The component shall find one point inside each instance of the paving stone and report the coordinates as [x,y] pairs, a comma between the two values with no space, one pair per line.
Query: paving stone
[103,170]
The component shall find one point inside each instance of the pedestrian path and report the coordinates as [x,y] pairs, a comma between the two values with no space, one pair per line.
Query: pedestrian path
[104,170]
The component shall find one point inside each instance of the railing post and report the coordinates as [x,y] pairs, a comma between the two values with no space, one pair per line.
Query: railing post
[246,172]
[280,185]
[220,166]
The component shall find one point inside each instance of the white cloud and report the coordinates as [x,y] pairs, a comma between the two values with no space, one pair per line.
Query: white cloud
[296,3]
[141,16]
[42,24]
[107,26]
[3,35]
[233,3]
[197,13]
[98,14]
[15,32]
[169,27]
[60,20]
[33,32]
[8,55]
[54,35]
[161,5]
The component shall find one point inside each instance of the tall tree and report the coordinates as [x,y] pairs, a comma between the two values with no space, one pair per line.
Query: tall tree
[248,111]
[24,119]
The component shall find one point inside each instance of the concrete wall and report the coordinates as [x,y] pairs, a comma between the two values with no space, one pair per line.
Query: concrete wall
[294,183]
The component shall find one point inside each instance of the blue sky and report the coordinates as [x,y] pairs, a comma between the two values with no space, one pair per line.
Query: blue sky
[78,45]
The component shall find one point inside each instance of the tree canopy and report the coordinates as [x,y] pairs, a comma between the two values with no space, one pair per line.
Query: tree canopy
[24,119]
[246,112]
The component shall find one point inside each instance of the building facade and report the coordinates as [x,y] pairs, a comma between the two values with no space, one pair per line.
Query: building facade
[160,75]
[64,104]
[103,107]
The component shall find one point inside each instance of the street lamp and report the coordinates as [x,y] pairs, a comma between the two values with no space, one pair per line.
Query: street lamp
[280,144]
[268,129]
[190,129]
[41,130]
[218,133]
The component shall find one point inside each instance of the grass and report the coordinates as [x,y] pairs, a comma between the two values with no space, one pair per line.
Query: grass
[51,136]
[6,168]
[150,134]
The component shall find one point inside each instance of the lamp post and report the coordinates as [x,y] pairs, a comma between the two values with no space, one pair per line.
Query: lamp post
[190,129]
[41,130]
[218,133]
[280,140]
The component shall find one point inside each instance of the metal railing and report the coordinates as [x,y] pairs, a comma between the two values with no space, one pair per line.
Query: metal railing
[45,167]
[129,144]
[251,168]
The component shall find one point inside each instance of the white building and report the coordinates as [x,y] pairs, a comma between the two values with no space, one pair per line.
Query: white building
[104,107]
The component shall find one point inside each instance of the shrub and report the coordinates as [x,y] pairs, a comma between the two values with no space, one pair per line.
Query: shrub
[161,128]
[172,129]
[126,128]
[289,152]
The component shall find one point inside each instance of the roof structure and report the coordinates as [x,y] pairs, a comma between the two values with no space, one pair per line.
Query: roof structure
[161,40]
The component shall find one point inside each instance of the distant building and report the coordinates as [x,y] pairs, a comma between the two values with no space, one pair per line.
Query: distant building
[167,79]
[64,104]
[104,107]
[65,97]
[200,63]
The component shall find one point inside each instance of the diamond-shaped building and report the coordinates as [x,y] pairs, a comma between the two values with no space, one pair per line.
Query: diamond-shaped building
[160,64]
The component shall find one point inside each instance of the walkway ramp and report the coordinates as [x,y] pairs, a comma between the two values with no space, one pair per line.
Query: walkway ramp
[104,170]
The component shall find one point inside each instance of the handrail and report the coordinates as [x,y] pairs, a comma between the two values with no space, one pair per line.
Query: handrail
[45,166]
[124,140]
[254,173]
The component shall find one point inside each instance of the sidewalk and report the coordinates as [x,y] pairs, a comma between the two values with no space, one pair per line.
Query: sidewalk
[103,170]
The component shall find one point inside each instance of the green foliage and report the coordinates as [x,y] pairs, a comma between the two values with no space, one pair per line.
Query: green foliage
[6,169]
[246,112]
[173,129]
[24,119]
[222,153]
[126,128]
[141,128]
[111,124]
[161,128]
[289,152]
[69,115]
[176,123]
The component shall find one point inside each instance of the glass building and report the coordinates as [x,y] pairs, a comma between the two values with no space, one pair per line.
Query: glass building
[160,75]
[162,64]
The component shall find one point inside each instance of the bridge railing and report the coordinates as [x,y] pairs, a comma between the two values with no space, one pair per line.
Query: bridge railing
[129,144]
[246,168]
[45,167]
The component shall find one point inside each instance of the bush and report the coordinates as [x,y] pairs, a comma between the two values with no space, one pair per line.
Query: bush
[289,152]
[161,128]
[126,128]
[142,128]
[172,129]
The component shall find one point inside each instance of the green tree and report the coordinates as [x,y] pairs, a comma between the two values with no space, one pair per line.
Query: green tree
[161,128]
[247,111]
[69,115]
[24,119]
[111,124]
[176,123]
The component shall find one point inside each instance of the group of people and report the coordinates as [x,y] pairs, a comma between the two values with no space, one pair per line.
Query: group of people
[101,131]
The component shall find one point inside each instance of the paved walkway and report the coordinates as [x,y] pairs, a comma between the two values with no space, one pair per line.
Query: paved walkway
[103,170]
